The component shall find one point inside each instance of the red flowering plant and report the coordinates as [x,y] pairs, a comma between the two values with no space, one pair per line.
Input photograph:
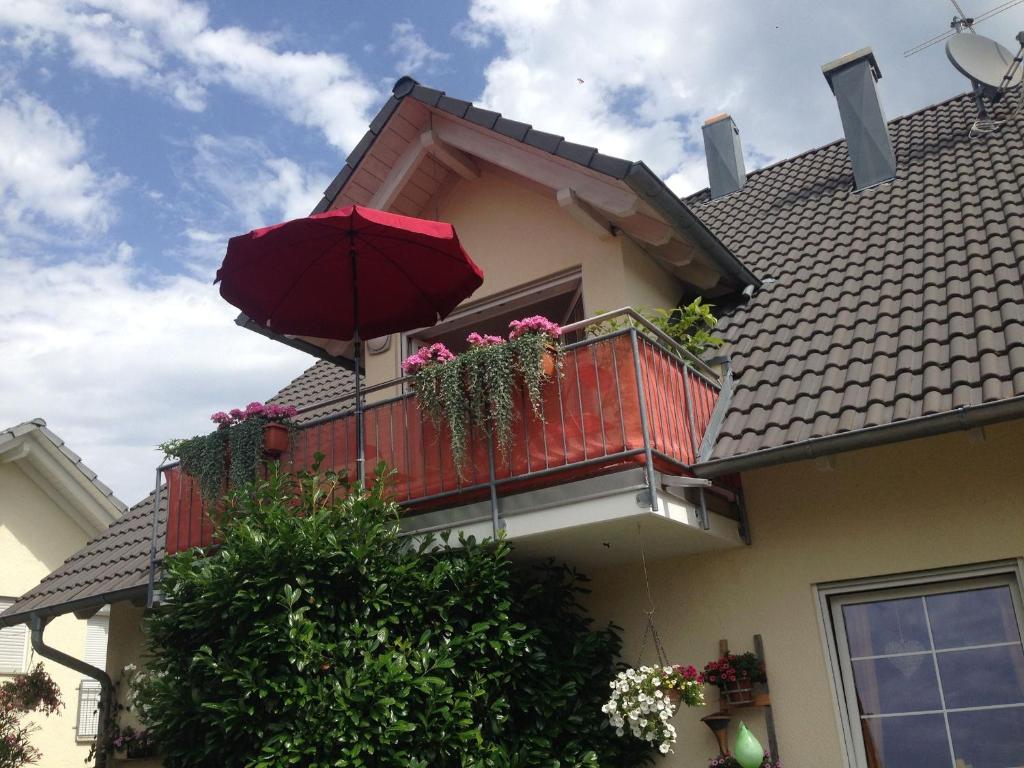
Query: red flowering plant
[24,693]
[476,389]
[731,668]
[732,762]
[232,452]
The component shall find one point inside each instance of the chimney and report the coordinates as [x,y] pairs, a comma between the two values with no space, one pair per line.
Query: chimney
[724,155]
[852,79]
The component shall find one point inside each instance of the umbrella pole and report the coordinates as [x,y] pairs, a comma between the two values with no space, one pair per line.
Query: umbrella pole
[358,348]
[360,445]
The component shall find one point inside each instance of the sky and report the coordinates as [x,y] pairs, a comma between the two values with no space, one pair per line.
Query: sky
[136,136]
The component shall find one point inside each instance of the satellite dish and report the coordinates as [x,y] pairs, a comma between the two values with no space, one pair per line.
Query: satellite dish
[988,65]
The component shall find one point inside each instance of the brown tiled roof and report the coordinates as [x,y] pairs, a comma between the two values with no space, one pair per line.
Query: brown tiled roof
[891,304]
[113,566]
[325,383]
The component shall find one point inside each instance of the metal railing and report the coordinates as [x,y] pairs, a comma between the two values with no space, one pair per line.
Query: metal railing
[630,397]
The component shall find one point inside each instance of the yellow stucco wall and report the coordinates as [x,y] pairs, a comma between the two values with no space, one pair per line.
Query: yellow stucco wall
[517,235]
[911,506]
[35,538]
[126,646]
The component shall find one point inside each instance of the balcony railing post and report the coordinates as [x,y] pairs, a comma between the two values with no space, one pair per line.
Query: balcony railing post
[644,425]
[688,396]
[492,486]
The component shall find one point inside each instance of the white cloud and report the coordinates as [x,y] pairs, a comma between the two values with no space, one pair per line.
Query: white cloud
[116,365]
[171,47]
[653,70]
[45,176]
[413,51]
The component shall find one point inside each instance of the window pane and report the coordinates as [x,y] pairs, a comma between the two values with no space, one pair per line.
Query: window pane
[886,627]
[915,741]
[991,738]
[898,684]
[974,617]
[983,676]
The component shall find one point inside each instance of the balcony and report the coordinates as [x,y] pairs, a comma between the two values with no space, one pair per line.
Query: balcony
[607,462]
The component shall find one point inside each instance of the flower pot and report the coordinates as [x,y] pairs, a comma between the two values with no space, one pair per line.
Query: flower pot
[275,439]
[674,695]
[142,750]
[547,364]
[739,693]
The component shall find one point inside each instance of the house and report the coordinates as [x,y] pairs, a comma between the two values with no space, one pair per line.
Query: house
[51,504]
[840,491]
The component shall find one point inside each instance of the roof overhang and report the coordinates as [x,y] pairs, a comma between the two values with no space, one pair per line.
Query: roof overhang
[61,475]
[423,142]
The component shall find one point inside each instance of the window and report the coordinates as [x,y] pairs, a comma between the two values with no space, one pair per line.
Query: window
[13,644]
[932,674]
[89,689]
[557,298]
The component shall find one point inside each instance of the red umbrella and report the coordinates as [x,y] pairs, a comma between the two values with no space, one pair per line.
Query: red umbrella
[353,273]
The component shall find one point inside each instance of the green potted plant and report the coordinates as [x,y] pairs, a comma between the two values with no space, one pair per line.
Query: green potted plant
[232,452]
[476,389]
[735,675]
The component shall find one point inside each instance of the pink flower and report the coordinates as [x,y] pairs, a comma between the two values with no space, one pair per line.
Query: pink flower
[476,340]
[435,353]
[220,418]
[254,409]
[535,324]
[276,412]
[237,414]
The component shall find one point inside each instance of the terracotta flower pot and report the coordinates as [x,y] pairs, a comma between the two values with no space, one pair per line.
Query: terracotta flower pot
[547,364]
[275,439]
[740,692]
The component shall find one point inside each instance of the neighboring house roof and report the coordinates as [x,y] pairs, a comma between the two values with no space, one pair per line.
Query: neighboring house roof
[116,564]
[61,474]
[113,566]
[895,311]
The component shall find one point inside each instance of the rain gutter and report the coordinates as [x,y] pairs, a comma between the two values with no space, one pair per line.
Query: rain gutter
[962,418]
[38,625]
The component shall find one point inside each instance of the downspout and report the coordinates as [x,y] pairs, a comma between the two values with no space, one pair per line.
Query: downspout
[37,624]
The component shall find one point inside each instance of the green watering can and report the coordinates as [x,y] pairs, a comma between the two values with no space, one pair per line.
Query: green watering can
[747,750]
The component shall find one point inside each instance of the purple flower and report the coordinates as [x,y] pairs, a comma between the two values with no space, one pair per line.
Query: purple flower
[220,418]
[435,353]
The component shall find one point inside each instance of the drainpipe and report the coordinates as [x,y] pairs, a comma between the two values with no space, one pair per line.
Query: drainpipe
[106,684]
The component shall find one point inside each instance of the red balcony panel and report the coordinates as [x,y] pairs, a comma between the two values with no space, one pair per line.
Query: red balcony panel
[591,423]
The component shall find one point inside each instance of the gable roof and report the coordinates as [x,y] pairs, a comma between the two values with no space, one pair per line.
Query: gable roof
[636,175]
[61,474]
[116,564]
[895,311]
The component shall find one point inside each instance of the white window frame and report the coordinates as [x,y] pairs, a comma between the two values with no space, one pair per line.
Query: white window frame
[89,686]
[834,594]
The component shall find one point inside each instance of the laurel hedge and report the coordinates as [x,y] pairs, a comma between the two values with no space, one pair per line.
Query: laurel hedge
[315,636]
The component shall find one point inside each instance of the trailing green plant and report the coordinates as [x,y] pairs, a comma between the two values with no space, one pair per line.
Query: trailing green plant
[689,325]
[239,434]
[315,636]
[476,390]
[23,694]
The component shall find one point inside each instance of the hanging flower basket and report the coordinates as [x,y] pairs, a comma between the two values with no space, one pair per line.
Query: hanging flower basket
[643,701]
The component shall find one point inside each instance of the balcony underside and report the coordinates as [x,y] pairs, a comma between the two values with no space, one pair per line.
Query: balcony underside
[590,523]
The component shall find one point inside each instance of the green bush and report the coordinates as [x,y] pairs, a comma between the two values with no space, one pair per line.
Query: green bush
[315,636]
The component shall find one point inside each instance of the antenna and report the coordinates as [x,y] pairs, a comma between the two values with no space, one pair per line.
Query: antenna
[992,70]
[961,22]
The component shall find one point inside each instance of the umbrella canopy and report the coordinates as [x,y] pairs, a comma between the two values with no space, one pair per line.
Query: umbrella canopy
[332,274]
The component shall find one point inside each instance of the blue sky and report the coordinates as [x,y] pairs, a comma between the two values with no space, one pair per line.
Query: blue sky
[137,135]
